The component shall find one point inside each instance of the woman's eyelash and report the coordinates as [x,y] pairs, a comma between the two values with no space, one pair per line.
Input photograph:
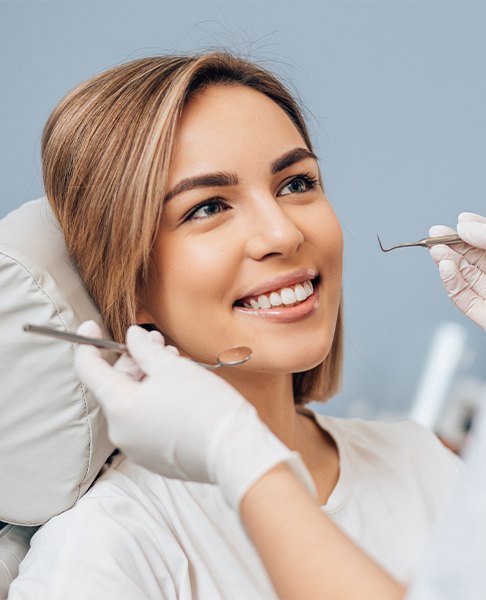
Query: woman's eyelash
[310,181]
[210,201]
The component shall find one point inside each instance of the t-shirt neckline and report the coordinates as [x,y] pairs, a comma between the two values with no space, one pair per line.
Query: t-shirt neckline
[342,490]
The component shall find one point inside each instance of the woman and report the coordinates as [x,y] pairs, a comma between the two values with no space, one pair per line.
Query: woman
[191,199]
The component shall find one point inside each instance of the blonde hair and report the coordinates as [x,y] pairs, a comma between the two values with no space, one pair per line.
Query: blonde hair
[106,151]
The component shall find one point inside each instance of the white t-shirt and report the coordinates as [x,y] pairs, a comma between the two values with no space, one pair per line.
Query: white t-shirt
[136,535]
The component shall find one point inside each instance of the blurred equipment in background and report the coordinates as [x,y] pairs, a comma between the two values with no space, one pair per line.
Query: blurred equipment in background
[447,403]
[461,410]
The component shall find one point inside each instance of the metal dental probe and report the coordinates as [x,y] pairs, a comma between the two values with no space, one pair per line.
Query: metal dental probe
[230,357]
[426,242]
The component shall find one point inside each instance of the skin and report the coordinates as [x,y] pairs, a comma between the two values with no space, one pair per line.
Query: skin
[251,231]
[305,554]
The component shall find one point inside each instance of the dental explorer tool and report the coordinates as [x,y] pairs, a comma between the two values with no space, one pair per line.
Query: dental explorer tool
[426,242]
[230,357]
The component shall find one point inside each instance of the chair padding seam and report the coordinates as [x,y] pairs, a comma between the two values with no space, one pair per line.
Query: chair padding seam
[86,412]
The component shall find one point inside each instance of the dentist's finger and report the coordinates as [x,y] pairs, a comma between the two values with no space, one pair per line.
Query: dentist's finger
[157,336]
[470,216]
[100,377]
[149,353]
[473,232]
[111,388]
[173,350]
[474,255]
[459,291]
[473,275]
[125,364]
[90,329]
[439,231]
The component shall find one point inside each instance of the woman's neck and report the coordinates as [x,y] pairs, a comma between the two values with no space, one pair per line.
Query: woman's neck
[273,397]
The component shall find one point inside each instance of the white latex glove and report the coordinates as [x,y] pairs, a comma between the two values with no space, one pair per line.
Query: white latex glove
[178,419]
[462,267]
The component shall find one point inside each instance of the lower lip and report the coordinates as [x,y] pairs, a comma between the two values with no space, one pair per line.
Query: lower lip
[282,313]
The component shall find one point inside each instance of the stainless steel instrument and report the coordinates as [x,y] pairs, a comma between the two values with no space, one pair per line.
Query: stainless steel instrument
[232,357]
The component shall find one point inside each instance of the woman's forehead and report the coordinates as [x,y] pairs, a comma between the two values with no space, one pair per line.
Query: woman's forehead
[226,126]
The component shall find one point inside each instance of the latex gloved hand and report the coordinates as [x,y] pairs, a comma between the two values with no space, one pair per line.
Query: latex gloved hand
[462,267]
[178,419]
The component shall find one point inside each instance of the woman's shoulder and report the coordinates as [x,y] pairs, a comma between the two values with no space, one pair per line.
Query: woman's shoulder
[404,435]
[401,444]
[110,540]
[115,510]
[395,479]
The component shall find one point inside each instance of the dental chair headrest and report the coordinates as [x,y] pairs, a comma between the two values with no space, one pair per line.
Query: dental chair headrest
[53,438]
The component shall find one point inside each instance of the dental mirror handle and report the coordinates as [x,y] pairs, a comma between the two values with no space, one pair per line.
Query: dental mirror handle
[231,357]
[70,336]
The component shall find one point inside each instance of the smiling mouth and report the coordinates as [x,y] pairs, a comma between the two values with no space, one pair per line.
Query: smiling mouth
[283,297]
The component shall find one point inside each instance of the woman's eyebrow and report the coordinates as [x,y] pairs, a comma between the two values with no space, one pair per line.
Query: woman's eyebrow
[291,157]
[222,178]
[207,180]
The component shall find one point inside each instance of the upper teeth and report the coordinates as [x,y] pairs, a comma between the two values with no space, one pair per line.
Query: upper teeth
[288,295]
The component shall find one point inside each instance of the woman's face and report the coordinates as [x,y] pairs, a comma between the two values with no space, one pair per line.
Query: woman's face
[245,217]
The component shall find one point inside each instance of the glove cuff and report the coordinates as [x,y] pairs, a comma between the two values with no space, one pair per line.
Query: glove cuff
[245,450]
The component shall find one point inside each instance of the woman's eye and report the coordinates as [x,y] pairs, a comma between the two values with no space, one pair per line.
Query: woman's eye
[206,209]
[299,184]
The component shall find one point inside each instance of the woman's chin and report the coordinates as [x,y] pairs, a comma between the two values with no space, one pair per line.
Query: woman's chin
[289,362]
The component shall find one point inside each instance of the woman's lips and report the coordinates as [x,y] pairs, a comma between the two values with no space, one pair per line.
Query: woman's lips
[279,282]
[282,313]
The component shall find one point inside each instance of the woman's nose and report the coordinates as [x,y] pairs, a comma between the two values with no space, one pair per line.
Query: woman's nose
[271,231]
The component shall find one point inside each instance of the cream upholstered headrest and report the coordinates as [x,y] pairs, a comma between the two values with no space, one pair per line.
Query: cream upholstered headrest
[53,437]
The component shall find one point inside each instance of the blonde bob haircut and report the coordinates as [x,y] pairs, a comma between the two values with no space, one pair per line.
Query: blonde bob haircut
[106,153]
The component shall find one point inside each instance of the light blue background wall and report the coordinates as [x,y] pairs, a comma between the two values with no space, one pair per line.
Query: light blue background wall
[396,93]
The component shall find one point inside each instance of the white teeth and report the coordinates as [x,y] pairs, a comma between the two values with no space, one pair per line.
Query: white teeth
[288,296]
[263,302]
[300,292]
[275,299]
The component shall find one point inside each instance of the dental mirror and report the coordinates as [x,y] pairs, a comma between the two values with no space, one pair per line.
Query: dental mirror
[232,357]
